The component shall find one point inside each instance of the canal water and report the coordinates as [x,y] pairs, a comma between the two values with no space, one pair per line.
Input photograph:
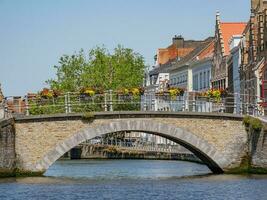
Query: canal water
[133,179]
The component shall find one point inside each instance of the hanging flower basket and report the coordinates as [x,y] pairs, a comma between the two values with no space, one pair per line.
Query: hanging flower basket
[56,93]
[174,92]
[123,91]
[135,92]
[87,92]
[46,93]
[216,94]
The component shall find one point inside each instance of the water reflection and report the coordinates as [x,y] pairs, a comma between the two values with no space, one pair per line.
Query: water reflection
[133,179]
[125,169]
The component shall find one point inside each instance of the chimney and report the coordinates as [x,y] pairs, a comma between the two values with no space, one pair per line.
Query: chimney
[178,41]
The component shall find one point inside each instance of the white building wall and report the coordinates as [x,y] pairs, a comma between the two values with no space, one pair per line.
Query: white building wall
[234,41]
[236,66]
[236,57]
[179,79]
[201,75]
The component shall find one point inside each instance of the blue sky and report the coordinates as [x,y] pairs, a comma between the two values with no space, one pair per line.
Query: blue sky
[35,33]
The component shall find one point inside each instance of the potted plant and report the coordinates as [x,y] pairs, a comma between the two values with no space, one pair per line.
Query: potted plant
[46,93]
[135,92]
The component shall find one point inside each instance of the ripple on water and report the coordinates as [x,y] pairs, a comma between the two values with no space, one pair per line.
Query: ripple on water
[133,179]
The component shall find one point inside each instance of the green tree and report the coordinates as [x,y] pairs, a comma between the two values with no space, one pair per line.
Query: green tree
[101,70]
[128,68]
[69,73]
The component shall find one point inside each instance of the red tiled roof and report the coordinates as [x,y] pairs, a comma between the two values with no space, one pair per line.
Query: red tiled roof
[208,52]
[229,29]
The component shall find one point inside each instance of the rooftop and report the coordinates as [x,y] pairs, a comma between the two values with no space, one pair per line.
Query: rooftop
[228,29]
[178,49]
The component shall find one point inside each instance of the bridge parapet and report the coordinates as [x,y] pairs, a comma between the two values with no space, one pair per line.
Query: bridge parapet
[128,114]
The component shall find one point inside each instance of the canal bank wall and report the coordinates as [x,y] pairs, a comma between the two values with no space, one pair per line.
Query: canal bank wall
[88,151]
[258,148]
[7,148]
[255,159]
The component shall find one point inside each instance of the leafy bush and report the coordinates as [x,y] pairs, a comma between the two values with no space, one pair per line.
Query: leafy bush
[86,108]
[88,116]
[43,109]
[246,120]
[254,123]
[126,107]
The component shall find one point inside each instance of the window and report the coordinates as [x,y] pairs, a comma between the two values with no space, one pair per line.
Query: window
[200,80]
[204,80]
[208,78]
[194,83]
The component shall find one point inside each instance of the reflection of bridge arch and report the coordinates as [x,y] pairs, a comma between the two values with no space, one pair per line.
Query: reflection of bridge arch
[200,147]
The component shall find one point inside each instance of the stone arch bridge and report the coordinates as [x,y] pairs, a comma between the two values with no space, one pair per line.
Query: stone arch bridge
[31,144]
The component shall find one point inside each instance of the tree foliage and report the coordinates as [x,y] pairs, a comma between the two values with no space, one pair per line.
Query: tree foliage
[100,70]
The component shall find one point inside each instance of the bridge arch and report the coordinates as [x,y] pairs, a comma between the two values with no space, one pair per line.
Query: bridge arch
[200,147]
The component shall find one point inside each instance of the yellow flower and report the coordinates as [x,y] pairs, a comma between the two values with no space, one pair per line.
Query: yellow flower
[89,92]
[126,91]
[135,91]
[49,94]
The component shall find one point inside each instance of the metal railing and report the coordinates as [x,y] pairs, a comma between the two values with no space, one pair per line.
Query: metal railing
[110,101]
[167,148]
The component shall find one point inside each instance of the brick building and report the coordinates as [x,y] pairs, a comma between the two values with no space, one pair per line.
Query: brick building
[253,71]
[167,59]
[176,51]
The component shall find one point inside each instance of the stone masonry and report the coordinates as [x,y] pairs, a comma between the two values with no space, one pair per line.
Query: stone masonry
[7,147]
[258,148]
[220,141]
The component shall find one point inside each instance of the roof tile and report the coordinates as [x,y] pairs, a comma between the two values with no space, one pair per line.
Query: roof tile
[229,29]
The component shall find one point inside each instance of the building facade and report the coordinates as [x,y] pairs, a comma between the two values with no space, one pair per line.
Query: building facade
[166,60]
[233,64]
[193,73]
[223,33]
[253,62]
[201,72]
[176,51]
